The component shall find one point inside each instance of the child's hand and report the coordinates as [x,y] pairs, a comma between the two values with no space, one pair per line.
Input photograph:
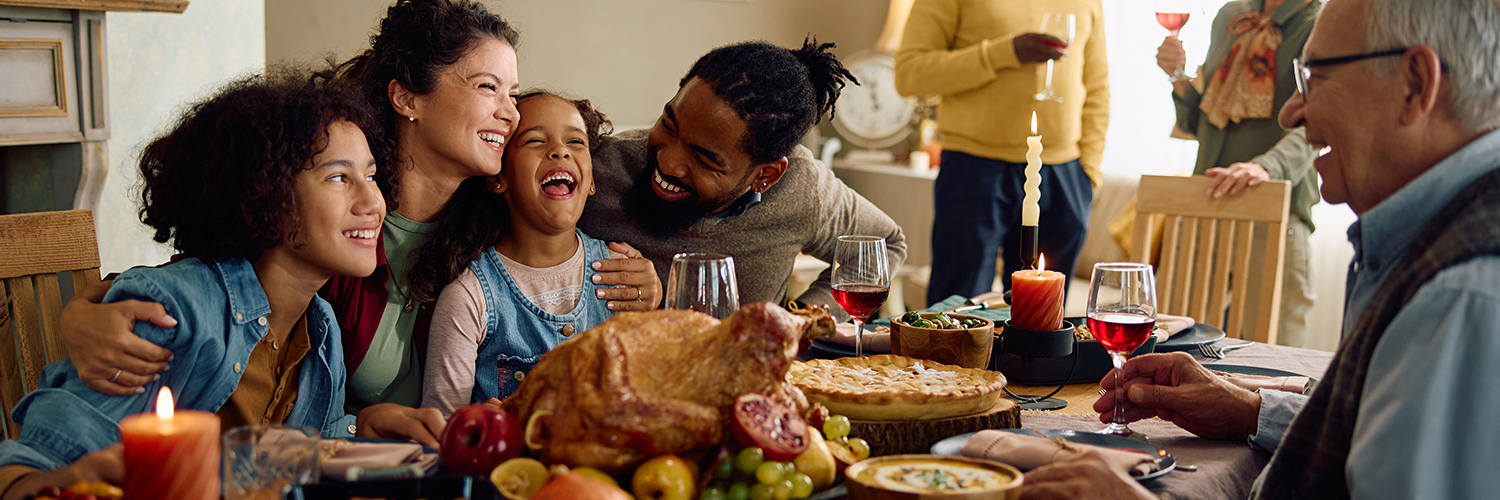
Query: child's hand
[637,286]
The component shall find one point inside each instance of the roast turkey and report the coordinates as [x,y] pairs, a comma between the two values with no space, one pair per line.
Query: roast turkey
[646,384]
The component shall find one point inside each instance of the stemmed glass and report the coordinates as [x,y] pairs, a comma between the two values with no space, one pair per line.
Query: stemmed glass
[1121,315]
[1173,15]
[861,280]
[1061,25]
[703,282]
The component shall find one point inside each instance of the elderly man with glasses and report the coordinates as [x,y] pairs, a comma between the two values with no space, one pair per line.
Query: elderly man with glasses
[1404,96]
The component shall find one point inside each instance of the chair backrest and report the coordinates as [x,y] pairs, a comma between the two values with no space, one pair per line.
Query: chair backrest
[34,248]
[1207,243]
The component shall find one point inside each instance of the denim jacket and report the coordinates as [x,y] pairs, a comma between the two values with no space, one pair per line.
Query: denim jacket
[221,312]
[517,332]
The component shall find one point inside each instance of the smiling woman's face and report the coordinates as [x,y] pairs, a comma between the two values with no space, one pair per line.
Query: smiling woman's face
[464,123]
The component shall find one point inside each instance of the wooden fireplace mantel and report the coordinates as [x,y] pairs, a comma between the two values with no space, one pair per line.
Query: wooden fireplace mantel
[170,6]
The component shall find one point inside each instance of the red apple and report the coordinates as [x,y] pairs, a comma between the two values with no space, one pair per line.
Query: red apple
[479,437]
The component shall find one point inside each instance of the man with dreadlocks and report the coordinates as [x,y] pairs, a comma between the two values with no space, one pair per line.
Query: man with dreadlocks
[722,171]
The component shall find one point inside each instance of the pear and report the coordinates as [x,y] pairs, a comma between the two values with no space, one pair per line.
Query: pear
[817,461]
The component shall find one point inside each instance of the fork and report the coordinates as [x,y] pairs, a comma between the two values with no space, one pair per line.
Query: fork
[1216,352]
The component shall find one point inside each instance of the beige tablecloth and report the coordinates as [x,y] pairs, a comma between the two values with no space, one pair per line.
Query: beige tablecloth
[1226,469]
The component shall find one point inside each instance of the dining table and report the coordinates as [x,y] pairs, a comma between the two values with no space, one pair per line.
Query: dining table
[1220,469]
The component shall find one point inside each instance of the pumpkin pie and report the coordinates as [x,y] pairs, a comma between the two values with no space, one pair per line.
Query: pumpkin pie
[888,387]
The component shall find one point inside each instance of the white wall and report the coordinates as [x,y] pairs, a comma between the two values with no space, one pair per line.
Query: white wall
[626,56]
[1141,116]
[157,64]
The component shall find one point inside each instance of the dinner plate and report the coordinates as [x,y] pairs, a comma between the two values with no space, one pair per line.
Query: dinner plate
[1164,462]
[1264,372]
[830,349]
[1190,338]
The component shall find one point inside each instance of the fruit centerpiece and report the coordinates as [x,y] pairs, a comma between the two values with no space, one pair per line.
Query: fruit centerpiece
[675,404]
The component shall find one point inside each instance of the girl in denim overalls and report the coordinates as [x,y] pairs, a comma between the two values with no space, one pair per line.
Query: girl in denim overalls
[533,288]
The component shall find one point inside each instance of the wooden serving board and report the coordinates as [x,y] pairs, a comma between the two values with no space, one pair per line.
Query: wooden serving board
[898,437]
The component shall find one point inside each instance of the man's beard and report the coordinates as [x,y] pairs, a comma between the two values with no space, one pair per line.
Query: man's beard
[662,218]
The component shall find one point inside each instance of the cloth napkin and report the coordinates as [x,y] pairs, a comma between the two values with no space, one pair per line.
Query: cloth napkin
[1029,452]
[878,341]
[339,455]
[1294,385]
[1173,324]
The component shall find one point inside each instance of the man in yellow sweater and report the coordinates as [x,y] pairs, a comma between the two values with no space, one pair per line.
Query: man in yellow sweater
[985,59]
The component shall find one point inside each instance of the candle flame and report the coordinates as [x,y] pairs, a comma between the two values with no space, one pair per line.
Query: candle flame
[164,404]
[1033,123]
[1041,262]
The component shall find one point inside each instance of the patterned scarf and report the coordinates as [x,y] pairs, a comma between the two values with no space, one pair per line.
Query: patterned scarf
[1245,85]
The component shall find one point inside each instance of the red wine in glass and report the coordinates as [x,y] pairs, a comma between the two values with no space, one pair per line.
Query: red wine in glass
[1121,331]
[860,300]
[1172,21]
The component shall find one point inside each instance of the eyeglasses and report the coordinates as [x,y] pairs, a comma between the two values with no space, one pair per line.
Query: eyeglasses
[1303,69]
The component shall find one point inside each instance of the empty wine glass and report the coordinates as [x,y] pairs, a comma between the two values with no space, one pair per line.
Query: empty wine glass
[703,282]
[1062,25]
[1121,315]
[861,280]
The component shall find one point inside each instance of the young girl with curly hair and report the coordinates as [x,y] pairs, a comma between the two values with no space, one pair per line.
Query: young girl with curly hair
[529,288]
[267,190]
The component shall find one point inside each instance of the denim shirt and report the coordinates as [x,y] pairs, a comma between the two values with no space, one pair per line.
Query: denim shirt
[517,332]
[221,312]
[1425,425]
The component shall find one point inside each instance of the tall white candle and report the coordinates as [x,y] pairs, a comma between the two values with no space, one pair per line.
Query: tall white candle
[1030,210]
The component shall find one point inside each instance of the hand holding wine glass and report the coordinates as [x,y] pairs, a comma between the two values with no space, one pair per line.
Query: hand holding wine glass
[1061,26]
[861,280]
[1173,15]
[1121,315]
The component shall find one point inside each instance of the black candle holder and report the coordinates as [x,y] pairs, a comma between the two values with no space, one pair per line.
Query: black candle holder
[1026,343]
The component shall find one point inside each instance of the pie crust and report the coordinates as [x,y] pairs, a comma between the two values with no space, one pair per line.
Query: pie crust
[888,387]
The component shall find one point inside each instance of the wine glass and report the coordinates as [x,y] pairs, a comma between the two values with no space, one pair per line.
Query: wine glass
[1062,25]
[703,282]
[1121,315]
[1173,15]
[861,280]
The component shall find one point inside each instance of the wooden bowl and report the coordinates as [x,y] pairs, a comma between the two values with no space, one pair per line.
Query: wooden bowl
[969,348]
[864,484]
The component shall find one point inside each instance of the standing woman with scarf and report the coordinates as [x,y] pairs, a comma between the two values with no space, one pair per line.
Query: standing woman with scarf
[1232,106]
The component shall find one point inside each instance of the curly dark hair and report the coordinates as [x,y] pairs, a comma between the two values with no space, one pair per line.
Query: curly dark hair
[780,93]
[476,219]
[416,41]
[222,183]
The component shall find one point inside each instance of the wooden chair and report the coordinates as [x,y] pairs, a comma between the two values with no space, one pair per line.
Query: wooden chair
[1207,247]
[34,248]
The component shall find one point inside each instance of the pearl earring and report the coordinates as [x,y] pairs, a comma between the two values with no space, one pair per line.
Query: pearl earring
[411,118]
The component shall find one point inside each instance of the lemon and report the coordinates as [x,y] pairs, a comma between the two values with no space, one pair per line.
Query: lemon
[519,478]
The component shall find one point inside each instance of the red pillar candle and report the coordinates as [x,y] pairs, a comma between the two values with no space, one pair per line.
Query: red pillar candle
[1036,298]
[171,454]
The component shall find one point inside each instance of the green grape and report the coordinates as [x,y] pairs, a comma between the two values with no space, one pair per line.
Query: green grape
[762,491]
[788,469]
[782,490]
[836,427]
[748,460]
[712,494]
[859,448]
[841,441]
[769,472]
[738,491]
[725,469]
[802,485]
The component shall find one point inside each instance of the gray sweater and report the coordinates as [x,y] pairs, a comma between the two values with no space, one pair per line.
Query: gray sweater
[806,211]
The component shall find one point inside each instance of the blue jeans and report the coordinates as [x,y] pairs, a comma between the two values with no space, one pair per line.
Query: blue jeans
[977,210]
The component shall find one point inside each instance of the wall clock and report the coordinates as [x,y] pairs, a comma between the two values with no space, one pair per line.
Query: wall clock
[872,115]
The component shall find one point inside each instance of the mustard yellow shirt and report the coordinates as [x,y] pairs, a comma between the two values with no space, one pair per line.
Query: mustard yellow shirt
[962,50]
